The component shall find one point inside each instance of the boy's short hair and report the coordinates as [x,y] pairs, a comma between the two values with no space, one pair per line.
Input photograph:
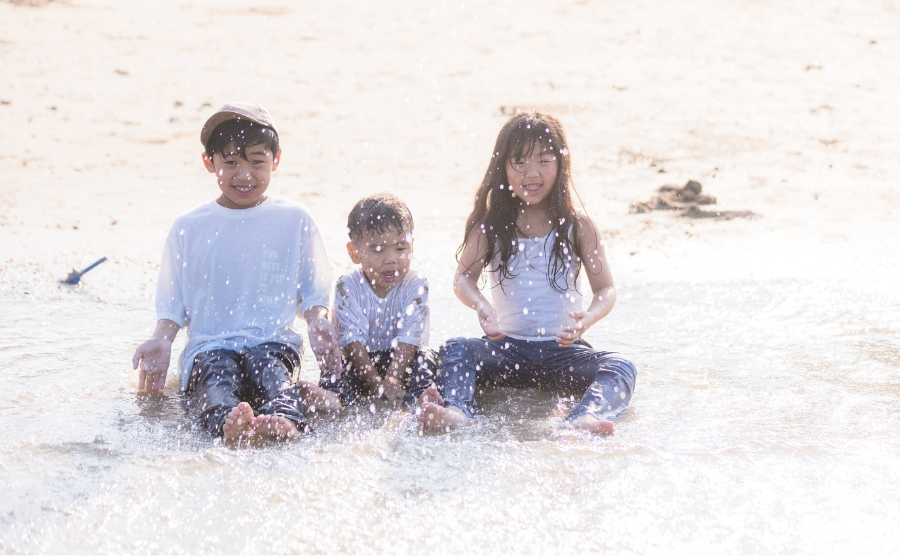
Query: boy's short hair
[241,123]
[243,134]
[377,213]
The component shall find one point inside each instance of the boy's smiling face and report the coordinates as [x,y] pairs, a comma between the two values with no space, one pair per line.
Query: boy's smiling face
[243,182]
[384,257]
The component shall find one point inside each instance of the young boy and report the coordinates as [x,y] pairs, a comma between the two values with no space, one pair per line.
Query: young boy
[381,310]
[236,271]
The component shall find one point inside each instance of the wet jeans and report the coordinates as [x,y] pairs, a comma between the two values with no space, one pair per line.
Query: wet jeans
[222,378]
[418,376]
[606,379]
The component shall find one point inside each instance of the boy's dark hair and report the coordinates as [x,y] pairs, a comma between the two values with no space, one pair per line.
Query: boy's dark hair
[377,213]
[243,133]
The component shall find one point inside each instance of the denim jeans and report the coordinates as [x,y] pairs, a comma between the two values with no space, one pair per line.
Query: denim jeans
[606,379]
[221,379]
[418,376]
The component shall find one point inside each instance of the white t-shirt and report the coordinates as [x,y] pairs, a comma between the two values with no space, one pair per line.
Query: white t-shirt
[380,323]
[238,278]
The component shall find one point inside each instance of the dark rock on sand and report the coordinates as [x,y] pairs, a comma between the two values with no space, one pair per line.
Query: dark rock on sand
[686,201]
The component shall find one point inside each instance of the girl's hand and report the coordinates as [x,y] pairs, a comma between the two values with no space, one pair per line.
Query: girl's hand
[570,334]
[487,318]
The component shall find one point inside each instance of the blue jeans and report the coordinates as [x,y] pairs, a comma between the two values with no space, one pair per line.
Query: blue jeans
[606,379]
[221,379]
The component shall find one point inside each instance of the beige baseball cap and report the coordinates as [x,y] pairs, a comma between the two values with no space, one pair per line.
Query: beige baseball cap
[237,111]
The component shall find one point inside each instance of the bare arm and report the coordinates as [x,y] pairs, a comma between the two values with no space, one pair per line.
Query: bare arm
[465,285]
[153,356]
[323,340]
[358,356]
[595,266]
[401,358]
[391,386]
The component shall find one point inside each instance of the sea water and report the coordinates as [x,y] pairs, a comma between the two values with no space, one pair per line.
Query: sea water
[765,419]
[767,408]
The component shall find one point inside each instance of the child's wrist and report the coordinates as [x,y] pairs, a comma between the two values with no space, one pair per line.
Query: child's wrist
[319,324]
[316,312]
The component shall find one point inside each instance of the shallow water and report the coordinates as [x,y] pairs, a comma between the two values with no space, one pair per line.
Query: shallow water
[764,420]
[766,414]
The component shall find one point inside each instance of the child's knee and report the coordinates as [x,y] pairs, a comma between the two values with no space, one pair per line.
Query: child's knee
[460,348]
[623,368]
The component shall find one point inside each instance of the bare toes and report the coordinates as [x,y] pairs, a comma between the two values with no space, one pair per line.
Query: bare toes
[238,423]
[275,427]
[594,425]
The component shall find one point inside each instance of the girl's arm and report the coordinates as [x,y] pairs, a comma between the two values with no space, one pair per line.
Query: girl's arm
[465,284]
[593,259]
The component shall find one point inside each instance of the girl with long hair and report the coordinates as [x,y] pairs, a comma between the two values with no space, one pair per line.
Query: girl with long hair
[526,233]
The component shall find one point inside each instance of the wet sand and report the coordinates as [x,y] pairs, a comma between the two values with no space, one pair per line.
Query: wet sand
[766,413]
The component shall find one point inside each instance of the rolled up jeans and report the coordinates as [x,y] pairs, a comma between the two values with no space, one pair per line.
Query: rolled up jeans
[605,379]
[221,379]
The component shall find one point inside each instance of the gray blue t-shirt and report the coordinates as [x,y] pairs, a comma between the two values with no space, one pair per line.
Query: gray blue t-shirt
[379,323]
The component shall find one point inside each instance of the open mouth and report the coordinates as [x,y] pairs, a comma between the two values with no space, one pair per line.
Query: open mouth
[390,275]
[243,189]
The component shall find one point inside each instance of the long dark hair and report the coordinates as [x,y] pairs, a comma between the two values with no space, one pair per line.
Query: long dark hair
[495,209]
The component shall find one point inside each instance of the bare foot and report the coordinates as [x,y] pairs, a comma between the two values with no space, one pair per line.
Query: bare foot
[594,425]
[317,399]
[239,424]
[431,395]
[274,427]
[436,417]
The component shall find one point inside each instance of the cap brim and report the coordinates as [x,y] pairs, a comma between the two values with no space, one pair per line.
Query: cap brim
[224,115]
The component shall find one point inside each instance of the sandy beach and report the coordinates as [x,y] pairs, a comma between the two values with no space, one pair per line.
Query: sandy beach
[767,410]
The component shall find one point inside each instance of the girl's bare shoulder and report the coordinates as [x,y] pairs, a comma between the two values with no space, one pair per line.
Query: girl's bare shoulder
[585,228]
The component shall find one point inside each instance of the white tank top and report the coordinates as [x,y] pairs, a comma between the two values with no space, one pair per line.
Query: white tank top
[527,305]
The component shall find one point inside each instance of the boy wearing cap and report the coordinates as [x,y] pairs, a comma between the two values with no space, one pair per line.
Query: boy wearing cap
[235,272]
